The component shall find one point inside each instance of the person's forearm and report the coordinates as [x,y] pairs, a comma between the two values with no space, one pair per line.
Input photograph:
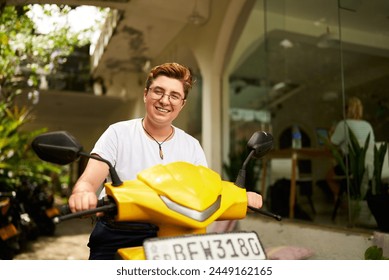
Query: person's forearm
[83,186]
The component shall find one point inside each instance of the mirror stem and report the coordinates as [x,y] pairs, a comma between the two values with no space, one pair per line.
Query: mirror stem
[112,172]
[248,159]
[241,178]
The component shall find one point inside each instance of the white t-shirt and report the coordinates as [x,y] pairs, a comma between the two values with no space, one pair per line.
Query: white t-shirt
[361,130]
[126,145]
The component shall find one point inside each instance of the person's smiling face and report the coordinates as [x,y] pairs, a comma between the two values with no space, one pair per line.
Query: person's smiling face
[164,100]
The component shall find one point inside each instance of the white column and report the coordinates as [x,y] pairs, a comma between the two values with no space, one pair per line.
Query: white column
[211,119]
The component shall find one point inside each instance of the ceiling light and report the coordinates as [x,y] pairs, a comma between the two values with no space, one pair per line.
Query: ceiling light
[328,40]
[286,44]
[195,17]
[330,96]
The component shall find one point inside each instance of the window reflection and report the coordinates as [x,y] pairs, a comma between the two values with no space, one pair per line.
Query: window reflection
[304,60]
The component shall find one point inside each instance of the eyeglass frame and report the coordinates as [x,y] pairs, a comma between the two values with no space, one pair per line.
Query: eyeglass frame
[160,95]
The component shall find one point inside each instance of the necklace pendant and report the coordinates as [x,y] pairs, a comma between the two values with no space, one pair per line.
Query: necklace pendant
[160,152]
[159,144]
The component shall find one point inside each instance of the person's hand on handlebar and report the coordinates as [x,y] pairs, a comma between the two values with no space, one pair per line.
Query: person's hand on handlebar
[254,199]
[84,196]
[255,202]
[82,200]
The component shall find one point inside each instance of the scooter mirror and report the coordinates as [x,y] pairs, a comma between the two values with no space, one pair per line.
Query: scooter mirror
[261,142]
[58,147]
[62,148]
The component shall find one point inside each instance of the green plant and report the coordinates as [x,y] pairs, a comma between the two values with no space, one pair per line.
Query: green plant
[26,55]
[377,188]
[375,253]
[359,175]
[236,159]
[18,163]
[357,167]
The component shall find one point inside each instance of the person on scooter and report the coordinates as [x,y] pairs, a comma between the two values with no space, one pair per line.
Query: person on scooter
[134,145]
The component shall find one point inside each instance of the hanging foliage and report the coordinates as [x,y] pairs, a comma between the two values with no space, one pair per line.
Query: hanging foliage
[26,55]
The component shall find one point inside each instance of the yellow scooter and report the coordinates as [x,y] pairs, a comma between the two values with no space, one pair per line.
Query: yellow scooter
[180,198]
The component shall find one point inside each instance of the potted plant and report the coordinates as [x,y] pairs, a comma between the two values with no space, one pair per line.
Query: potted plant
[358,179]
[378,194]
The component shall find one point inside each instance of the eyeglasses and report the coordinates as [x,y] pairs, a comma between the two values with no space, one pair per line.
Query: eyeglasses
[158,93]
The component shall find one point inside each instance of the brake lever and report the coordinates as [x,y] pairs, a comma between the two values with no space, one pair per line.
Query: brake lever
[266,213]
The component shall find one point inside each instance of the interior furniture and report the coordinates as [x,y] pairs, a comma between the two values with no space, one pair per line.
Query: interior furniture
[294,155]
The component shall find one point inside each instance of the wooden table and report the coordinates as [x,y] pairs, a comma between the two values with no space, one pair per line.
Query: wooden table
[295,155]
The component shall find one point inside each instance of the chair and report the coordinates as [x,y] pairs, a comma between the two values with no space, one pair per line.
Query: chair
[304,180]
[342,180]
[281,169]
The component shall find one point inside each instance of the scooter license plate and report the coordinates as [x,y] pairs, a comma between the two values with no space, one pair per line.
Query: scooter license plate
[51,212]
[8,231]
[212,246]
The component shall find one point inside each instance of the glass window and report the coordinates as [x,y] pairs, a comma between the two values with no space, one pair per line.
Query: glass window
[298,68]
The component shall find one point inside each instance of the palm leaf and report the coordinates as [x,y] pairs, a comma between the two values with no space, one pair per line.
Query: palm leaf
[357,155]
[379,157]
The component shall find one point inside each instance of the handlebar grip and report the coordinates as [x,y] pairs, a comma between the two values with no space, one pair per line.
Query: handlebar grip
[11,194]
[65,209]
[103,205]
[266,213]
